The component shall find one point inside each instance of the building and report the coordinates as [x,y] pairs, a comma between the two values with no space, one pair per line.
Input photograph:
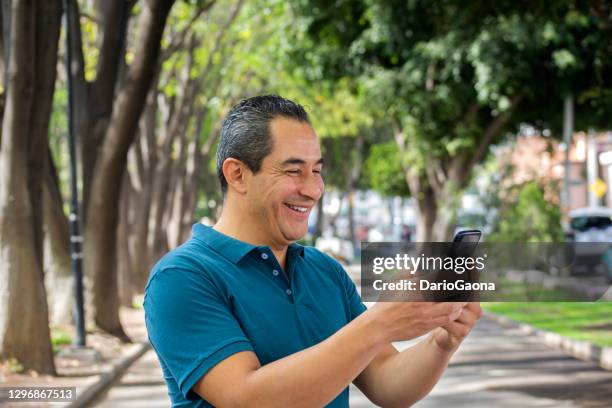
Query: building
[535,157]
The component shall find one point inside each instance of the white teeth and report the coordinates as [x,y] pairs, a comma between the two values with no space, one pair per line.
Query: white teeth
[300,209]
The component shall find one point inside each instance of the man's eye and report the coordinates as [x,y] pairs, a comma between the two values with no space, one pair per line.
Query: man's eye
[295,171]
[317,171]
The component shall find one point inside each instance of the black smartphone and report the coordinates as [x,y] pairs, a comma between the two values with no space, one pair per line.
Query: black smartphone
[464,243]
[463,246]
[472,235]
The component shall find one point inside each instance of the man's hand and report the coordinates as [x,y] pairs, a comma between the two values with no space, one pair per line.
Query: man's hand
[398,321]
[396,379]
[449,336]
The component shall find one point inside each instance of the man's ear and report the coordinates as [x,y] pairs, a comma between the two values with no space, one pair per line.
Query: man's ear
[235,173]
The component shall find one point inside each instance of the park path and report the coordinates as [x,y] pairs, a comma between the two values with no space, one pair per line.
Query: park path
[495,366]
[142,386]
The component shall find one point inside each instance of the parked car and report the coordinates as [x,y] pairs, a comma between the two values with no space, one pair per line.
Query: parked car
[591,225]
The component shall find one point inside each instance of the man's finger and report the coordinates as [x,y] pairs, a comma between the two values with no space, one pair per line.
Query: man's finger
[468,317]
[475,307]
[445,318]
[457,329]
[471,314]
[445,309]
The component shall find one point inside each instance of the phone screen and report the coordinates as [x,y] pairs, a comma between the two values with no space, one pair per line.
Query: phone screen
[468,236]
[463,246]
[465,243]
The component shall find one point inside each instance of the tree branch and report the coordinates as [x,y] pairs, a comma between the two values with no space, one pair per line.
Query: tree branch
[492,130]
[177,42]
[436,175]
[114,36]
[221,34]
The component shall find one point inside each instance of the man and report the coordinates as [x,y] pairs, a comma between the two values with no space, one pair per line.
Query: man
[242,316]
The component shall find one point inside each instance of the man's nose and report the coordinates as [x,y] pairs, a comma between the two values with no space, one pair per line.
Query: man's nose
[312,187]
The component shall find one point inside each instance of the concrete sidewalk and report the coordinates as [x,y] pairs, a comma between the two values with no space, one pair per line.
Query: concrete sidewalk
[142,386]
[496,366]
[501,367]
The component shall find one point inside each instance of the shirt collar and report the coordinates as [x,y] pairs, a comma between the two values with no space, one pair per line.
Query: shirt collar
[232,248]
[295,250]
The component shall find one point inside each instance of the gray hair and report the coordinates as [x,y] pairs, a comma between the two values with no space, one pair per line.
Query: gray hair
[245,134]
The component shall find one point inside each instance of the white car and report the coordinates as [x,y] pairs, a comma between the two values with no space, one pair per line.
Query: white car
[591,224]
[591,230]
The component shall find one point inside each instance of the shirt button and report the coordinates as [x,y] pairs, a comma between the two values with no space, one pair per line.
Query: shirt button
[288,291]
[264,256]
[275,272]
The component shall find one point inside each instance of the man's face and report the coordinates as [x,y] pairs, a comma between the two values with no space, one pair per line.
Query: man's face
[288,184]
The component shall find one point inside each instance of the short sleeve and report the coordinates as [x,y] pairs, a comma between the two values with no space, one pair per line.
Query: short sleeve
[354,299]
[190,325]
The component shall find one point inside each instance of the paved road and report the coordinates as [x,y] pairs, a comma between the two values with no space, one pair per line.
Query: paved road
[495,367]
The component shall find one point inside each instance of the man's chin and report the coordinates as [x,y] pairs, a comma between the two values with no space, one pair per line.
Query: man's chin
[295,235]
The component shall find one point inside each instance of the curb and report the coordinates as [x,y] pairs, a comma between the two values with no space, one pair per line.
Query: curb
[89,393]
[579,349]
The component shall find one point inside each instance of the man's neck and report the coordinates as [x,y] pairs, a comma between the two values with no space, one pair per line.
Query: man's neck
[233,223]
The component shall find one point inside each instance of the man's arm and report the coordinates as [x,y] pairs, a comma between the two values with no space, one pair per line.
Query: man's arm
[316,375]
[395,379]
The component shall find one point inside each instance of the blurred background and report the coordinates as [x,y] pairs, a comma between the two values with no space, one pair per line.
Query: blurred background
[433,117]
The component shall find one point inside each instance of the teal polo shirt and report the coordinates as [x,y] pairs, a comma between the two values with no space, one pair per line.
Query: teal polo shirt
[215,296]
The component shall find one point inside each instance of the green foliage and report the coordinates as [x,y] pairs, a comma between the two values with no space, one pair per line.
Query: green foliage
[92,39]
[530,219]
[14,366]
[59,338]
[446,70]
[339,154]
[384,171]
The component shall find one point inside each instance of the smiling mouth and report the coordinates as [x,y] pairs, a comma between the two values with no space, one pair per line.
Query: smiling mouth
[297,208]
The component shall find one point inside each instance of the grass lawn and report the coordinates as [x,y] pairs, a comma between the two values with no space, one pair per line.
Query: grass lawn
[590,321]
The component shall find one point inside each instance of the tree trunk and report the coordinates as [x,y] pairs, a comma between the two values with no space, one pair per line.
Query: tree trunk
[158,243]
[352,179]
[6,39]
[350,197]
[124,263]
[4,34]
[320,220]
[443,228]
[449,203]
[334,218]
[174,204]
[103,208]
[175,133]
[198,162]
[200,178]
[33,38]
[186,181]
[178,197]
[427,207]
[100,97]
[47,28]
[57,265]
[140,230]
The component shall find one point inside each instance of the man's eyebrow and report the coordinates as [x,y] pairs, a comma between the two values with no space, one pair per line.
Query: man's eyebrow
[295,160]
